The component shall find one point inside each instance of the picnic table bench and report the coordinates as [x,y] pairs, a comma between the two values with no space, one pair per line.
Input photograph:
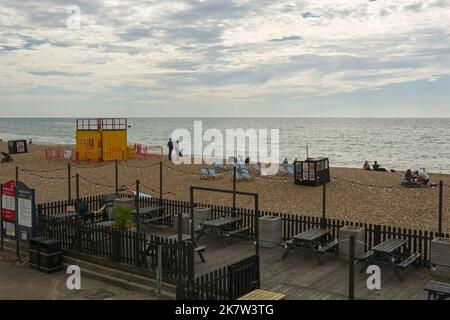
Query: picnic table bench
[390,251]
[153,214]
[317,239]
[259,294]
[225,227]
[200,250]
[437,290]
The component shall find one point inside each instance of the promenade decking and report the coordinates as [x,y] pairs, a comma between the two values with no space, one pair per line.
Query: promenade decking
[299,276]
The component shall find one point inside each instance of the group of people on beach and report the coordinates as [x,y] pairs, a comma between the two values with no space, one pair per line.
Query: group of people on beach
[418,179]
[375,166]
[177,147]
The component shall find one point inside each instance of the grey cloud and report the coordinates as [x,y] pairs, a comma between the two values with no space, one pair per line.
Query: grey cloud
[59,73]
[289,38]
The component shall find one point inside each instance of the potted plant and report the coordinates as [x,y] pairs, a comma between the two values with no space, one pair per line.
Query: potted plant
[124,218]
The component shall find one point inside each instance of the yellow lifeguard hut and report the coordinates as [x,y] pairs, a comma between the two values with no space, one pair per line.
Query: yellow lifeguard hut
[102,139]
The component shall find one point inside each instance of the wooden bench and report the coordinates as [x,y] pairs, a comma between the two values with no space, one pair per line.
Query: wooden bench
[437,290]
[235,232]
[408,261]
[263,295]
[156,219]
[200,250]
[365,256]
[330,245]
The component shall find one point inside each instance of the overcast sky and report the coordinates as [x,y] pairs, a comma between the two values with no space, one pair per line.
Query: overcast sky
[225,58]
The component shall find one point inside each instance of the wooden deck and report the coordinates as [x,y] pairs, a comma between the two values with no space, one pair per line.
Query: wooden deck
[300,277]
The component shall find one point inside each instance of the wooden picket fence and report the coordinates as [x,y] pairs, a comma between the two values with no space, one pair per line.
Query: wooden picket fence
[417,240]
[121,246]
[227,283]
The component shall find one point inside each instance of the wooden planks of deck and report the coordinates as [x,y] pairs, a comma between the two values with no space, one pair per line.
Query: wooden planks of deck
[300,277]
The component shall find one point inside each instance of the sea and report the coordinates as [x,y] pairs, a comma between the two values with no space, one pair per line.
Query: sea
[399,144]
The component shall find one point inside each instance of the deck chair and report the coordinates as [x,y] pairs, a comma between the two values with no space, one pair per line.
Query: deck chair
[213,173]
[238,176]
[246,175]
[204,173]
[256,168]
[242,166]
[6,158]
[281,170]
[290,170]
[98,213]
[218,164]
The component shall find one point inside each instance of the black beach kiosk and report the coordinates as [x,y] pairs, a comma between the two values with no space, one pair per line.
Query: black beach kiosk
[17,146]
[312,172]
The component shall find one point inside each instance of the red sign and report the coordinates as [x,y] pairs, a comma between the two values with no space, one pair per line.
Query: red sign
[9,201]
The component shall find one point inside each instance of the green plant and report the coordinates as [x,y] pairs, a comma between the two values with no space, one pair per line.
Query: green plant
[123,219]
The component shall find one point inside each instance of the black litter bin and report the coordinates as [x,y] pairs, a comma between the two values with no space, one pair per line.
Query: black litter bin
[48,257]
[33,252]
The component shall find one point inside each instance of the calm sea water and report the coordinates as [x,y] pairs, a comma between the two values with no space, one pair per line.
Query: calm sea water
[395,143]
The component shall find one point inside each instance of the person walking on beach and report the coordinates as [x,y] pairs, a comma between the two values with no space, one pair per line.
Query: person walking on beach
[170,146]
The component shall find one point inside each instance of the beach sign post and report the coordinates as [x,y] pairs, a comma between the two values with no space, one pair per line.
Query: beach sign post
[26,212]
[8,209]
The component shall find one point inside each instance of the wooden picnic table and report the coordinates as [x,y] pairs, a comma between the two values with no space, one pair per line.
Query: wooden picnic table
[317,239]
[65,215]
[311,235]
[225,226]
[390,251]
[187,237]
[153,214]
[437,290]
[259,294]
[389,246]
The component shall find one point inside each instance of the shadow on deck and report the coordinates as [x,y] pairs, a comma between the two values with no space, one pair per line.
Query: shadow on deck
[300,277]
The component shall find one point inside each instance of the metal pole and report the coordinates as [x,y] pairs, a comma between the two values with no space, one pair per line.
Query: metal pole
[69,182]
[257,238]
[324,205]
[117,176]
[441,197]
[180,251]
[192,215]
[33,213]
[160,184]
[137,204]
[159,272]
[234,188]
[16,209]
[77,187]
[1,217]
[351,275]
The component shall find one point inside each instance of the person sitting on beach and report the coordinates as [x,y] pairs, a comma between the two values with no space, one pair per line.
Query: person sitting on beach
[377,167]
[285,162]
[422,177]
[408,179]
[366,165]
